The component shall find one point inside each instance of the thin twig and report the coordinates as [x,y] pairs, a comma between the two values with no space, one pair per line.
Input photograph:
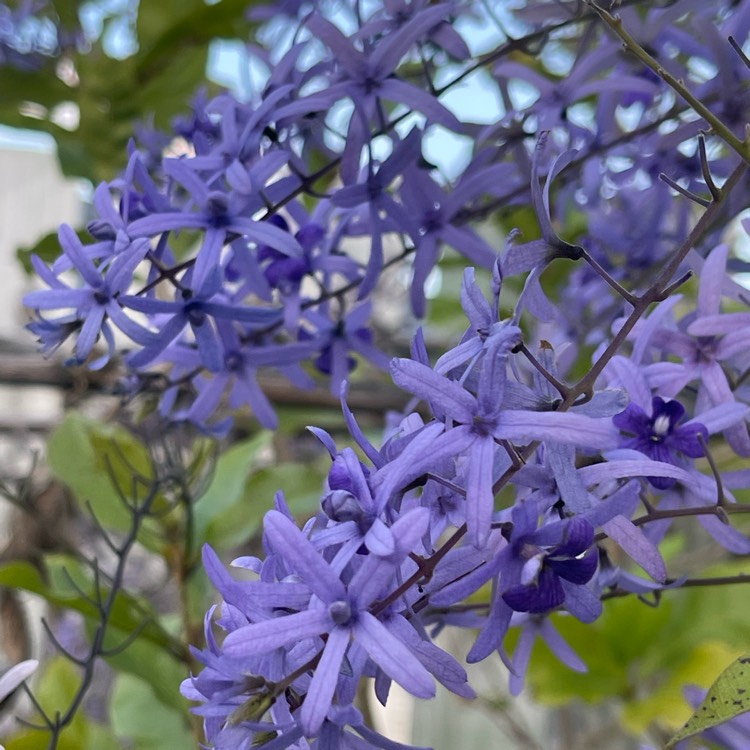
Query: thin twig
[614,22]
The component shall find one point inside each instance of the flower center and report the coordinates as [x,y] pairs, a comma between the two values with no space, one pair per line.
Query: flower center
[341,612]
[660,427]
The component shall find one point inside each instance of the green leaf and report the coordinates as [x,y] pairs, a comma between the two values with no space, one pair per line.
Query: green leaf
[86,454]
[642,656]
[612,648]
[169,26]
[667,705]
[140,717]
[301,485]
[728,697]
[228,483]
[40,87]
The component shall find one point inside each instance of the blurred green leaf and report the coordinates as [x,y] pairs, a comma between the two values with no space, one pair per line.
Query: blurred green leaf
[227,484]
[153,665]
[241,521]
[40,87]
[140,717]
[166,26]
[666,705]
[169,65]
[86,455]
[642,656]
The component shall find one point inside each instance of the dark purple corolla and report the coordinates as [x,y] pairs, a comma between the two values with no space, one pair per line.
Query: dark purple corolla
[541,588]
[660,436]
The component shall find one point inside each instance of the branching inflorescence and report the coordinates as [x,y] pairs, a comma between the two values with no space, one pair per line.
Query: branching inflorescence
[237,255]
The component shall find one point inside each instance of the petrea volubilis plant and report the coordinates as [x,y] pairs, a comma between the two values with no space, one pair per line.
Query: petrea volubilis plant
[597,397]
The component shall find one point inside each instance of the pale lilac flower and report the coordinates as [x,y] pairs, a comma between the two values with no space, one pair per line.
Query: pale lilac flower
[705,343]
[368,77]
[339,610]
[15,676]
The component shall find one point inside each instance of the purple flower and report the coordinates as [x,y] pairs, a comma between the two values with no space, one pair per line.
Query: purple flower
[660,436]
[481,420]
[94,304]
[584,79]
[520,258]
[236,376]
[336,338]
[368,78]
[196,308]
[384,213]
[706,342]
[573,559]
[340,611]
[219,214]
[433,213]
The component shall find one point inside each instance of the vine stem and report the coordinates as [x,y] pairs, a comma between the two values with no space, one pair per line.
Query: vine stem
[656,291]
[138,512]
[614,22]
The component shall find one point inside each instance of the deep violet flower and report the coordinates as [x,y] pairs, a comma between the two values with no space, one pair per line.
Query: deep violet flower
[573,559]
[660,435]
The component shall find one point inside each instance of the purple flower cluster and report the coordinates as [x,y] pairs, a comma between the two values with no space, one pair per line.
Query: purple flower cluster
[361,590]
[210,265]
[242,254]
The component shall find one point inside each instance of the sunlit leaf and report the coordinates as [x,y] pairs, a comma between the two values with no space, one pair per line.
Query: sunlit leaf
[728,697]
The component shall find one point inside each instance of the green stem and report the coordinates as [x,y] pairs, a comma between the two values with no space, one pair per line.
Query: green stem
[723,131]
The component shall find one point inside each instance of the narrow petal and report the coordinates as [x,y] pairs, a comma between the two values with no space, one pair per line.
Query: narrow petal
[719,324]
[560,647]
[493,632]
[350,59]
[637,546]
[375,573]
[406,93]
[393,656]
[720,417]
[324,681]
[581,602]
[16,675]
[727,536]
[521,658]
[422,381]
[260,638]
[561,427]
[480,500]
[302,557]
[440,664]
[711,280]
[387,55]
[427,451]
[379,539]
[474,303]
